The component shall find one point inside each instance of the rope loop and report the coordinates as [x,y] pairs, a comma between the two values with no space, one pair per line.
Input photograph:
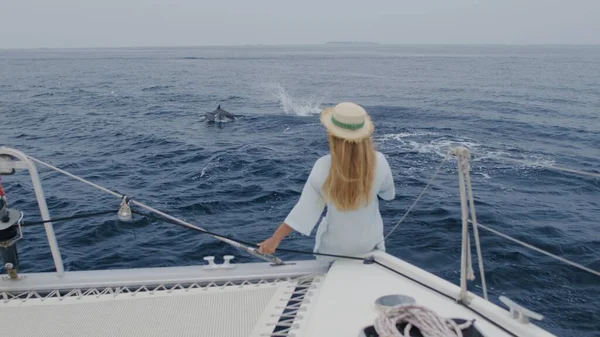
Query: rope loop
[416,316]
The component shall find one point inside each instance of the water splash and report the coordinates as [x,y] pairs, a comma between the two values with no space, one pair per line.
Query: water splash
[399,136]
[418,142]
[412,142]
[293,105]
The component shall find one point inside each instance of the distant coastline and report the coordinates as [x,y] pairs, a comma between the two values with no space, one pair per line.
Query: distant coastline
[352,43]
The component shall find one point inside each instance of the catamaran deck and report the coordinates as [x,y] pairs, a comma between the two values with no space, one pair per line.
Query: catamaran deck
[246,300]
[351,288]
[249,300]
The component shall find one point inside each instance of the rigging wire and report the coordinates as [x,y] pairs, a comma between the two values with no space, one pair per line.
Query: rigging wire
[174,220]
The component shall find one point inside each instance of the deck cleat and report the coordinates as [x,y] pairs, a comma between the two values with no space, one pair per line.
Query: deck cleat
[225,265]
[519,312]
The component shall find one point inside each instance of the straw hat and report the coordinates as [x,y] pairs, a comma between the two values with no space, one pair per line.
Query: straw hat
[347,121]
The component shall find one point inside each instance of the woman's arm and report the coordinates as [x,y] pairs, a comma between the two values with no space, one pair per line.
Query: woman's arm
[270,245]
[388,190]
[305,214]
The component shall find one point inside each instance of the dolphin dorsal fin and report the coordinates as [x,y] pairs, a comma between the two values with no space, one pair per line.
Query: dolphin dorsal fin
[219,107]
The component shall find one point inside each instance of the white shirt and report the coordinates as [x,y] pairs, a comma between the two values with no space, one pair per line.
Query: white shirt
[342,232]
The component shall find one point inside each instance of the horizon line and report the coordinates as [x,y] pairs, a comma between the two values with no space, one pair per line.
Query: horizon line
[324,44]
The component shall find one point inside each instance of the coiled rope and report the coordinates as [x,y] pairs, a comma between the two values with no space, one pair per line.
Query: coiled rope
[416,316]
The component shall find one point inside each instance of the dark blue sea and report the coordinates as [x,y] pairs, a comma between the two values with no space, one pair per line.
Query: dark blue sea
[132,120]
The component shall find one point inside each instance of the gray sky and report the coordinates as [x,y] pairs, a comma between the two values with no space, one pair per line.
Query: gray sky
[128,23]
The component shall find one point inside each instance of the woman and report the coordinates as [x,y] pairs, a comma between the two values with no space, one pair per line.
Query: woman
[348,181]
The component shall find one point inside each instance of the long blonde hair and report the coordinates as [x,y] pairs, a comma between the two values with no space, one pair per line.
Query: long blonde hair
[348,185]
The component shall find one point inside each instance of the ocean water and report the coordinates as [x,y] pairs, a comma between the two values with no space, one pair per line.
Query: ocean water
[131,120]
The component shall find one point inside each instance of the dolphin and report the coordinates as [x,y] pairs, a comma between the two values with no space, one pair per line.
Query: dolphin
[219,115]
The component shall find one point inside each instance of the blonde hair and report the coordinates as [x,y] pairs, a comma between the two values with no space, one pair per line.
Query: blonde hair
[348,185]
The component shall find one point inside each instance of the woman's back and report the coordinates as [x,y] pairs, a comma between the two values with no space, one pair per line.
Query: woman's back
[351,232]
[382,179]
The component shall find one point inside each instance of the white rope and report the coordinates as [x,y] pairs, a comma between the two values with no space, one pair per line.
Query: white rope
[475,232]
[435,174]
[286,322]
[466,264]
[427,321]
[557,168]
[539,250]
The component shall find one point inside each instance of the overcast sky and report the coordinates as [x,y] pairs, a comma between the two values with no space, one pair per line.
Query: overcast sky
[129,23]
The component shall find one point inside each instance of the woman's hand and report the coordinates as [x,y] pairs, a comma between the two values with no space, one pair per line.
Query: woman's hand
[269,245]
